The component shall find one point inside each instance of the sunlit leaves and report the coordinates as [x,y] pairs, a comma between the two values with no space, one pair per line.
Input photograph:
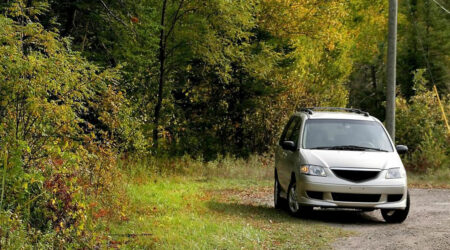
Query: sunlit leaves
[50,149]
[420,125]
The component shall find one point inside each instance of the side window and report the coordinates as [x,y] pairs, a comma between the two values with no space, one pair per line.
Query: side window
[287,130]
[292,130]
[296,131]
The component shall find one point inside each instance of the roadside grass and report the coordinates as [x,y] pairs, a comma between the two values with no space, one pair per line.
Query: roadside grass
[213,209]
[439,178]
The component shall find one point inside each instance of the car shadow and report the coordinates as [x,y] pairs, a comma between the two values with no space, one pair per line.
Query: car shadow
[337,216]
[264,212]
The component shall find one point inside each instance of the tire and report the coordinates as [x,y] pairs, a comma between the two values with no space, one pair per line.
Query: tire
[294,207]
[396,216]
[278,201]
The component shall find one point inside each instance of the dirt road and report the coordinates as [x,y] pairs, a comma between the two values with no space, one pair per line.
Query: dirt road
[427,226]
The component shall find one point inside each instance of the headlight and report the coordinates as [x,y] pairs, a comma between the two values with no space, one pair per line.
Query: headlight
[313,170]
[395,173]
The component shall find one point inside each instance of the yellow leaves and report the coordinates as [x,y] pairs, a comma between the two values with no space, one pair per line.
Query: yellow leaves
[331,46]
[291,18]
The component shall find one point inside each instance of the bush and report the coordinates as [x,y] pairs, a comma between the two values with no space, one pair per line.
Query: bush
[420,126]
[58,116]
[15,234]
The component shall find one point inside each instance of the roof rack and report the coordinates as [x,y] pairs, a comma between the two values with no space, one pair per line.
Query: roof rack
[357,111]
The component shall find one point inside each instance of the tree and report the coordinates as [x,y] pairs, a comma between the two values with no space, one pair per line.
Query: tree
[217,76]
[368,22]
[52,154]
[424,36]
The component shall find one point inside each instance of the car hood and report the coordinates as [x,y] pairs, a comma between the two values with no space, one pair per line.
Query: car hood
[352,159]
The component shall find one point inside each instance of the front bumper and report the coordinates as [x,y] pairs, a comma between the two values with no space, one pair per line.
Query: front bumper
[331,185]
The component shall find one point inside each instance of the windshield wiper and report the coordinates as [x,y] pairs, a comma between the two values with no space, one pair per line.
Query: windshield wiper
[354,147]
[321,148]
[350,147]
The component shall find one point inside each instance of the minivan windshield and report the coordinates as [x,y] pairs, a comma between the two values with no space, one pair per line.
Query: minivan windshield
[334,134]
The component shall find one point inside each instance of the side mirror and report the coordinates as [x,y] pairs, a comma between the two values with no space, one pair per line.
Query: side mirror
[401,149]
[288,145]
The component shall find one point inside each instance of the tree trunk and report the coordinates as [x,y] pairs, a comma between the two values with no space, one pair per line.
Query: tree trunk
[70,20]
[162,58]
[373,72]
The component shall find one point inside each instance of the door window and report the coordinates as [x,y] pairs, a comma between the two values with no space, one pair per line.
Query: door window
[292,130]
[287,130]
[296,131]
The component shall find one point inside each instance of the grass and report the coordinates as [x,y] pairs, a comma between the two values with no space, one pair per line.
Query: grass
[434,179]
[226,207]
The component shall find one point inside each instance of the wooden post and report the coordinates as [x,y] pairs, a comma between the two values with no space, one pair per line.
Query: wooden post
[444,117]
[391,64]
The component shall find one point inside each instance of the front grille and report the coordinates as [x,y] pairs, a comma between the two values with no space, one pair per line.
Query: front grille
[394,197]
[356,175]
[315,195]
[356,197]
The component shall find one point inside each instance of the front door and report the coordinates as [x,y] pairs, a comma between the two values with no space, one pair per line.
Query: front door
[287,155]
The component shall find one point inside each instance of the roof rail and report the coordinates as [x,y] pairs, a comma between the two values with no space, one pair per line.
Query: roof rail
[310,110]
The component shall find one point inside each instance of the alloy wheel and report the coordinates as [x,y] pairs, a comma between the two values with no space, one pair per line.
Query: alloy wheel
[293,203]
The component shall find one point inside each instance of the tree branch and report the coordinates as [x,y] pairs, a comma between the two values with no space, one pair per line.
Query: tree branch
[174,20]
[112,14]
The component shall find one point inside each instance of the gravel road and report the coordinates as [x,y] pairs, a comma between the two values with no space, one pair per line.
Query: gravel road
[427,226]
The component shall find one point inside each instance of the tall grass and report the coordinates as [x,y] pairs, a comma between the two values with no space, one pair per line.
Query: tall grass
[255,167]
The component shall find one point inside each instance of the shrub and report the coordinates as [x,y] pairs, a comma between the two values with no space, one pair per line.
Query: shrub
[58,116]
[420,126]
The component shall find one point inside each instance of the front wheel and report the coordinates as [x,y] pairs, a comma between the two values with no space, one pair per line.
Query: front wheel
[294,207]
[396,216]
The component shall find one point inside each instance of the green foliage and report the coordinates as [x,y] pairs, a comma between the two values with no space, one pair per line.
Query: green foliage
[420,126]
[424,42]
[369,26]
[254,73]
[58,114]
[231,72]
[12,232]
[15,234]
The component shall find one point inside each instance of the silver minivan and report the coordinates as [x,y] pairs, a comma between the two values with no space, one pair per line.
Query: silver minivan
[339,158]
